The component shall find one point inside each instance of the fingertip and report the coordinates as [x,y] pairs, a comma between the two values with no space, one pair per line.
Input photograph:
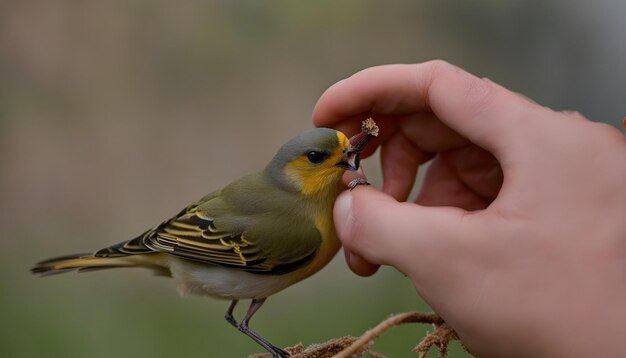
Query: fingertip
[359,265]
[359,216]
[363,94]
[344,210]
[326,111]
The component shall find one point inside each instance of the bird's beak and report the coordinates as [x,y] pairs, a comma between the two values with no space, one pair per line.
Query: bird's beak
[350,160]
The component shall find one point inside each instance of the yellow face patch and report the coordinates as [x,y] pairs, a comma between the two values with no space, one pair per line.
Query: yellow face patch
[344,142]
[315,178]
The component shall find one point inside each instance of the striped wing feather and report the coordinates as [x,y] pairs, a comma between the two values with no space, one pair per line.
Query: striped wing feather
[193,235]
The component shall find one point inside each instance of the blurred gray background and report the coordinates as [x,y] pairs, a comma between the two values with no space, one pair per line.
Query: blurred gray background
[114,115]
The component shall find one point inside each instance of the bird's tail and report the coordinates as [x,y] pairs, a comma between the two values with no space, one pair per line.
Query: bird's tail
[80,262]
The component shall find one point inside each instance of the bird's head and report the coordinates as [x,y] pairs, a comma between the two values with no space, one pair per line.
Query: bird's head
[314,161]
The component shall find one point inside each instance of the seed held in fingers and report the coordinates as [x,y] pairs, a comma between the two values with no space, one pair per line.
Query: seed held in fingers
[369,130]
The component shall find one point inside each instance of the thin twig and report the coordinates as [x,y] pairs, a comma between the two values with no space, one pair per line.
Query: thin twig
[440,337]
[407,317]
[352,347]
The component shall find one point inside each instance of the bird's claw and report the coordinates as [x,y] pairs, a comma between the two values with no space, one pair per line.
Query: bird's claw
[356,182]
[280,353]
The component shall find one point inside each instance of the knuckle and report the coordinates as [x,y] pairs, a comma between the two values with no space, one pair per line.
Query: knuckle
[479,92]
[440,66]
[573,114]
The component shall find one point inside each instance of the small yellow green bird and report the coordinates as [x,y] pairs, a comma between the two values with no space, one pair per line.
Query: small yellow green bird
[251,239]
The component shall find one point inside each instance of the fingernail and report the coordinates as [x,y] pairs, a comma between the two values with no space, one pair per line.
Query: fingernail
[343,214]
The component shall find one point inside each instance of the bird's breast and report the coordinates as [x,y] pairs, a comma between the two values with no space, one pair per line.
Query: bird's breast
[329,245]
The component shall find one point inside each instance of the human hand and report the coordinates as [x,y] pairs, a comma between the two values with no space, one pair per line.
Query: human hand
[517,238]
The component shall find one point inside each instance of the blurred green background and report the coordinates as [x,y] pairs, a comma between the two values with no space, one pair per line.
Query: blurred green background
[114,115]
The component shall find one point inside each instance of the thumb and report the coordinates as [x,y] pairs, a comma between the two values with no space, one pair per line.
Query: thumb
[375,227]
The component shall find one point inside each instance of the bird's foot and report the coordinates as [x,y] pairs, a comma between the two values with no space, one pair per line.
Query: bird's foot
[279,352]
[356,182]
[276,352]
[230,319]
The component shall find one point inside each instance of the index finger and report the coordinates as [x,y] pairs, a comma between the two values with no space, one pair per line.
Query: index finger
[485,113]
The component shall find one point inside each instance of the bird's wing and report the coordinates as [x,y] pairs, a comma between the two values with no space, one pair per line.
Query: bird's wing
[254,243]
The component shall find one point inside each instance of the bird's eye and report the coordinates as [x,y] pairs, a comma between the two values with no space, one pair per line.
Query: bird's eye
[316,157]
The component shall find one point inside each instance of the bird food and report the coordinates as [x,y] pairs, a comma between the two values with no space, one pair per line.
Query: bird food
[369,131]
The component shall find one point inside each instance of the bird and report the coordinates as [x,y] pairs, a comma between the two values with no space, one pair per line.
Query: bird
[249,240]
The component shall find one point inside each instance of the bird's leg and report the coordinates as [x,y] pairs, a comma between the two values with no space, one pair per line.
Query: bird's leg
[243,327]
[229,314]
